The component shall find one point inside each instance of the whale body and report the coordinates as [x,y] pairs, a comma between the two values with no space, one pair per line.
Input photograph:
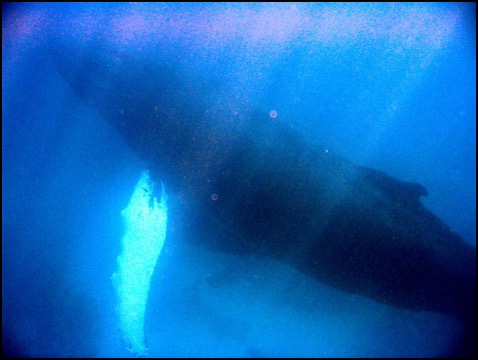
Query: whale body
[351,227]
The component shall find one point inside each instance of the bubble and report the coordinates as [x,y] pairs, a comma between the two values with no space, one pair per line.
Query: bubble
[214,197]
[273,114]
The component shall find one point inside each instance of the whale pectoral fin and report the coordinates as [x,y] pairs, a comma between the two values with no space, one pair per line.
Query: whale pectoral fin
[145,231]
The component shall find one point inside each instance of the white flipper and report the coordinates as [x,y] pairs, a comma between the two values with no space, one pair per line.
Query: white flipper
[145,221]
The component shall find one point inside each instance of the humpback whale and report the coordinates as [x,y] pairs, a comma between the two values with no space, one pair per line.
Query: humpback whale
[351,227]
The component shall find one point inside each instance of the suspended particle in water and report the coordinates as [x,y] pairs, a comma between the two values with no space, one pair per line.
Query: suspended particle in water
[214,197]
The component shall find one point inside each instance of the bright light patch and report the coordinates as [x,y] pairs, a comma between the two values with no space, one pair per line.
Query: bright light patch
[145,220]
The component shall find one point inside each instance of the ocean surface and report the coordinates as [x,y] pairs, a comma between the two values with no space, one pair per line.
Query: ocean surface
[387,86]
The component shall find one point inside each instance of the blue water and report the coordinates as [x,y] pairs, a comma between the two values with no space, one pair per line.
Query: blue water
[392,87]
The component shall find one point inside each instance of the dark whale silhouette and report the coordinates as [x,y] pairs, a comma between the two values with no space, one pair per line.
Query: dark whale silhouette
[352,227]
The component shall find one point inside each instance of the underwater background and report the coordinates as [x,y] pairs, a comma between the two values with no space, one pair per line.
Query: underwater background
[388,86]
